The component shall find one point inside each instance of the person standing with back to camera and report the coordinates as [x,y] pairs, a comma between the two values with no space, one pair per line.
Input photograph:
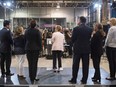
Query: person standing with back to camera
[97,50]
[81,49]
[33,47]
[19,50]
[57,47]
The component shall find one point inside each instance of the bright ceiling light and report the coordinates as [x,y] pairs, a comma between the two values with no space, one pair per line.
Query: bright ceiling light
[8,4]
[4,4]
[96,5]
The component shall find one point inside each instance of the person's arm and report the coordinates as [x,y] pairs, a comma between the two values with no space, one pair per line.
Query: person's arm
[53,38]
[109,37]
[10,38]
[74,36]
[69,35]
[40,39]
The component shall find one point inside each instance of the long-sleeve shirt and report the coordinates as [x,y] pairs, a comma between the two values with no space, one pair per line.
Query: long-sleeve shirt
[58,41]
[111,37]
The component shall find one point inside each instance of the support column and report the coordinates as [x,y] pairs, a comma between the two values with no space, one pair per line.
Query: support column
[104,11]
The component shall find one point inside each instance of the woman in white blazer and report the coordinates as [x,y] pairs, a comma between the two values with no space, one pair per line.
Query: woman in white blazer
[57,47]
[111,49]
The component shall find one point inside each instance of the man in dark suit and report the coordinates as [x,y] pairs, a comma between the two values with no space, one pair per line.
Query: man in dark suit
[6,43]
[33,46]
[81,48]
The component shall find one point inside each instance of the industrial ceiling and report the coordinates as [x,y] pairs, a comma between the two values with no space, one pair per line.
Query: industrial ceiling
[52,3]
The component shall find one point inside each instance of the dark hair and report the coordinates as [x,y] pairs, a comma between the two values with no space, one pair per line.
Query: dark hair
[82,19]
[33,24]
[6,22]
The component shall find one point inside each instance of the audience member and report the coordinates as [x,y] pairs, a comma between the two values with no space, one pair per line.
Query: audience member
[57,47]
[33,47]
[110,45]
[81,48]
[19,50]
[6,44]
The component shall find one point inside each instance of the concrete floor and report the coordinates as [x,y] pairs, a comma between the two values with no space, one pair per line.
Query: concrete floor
[50,79]
[66,62]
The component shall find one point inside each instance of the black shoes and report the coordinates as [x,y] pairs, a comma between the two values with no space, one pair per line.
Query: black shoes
[72,81]
[3,75]
[21,77]
[10,74]
[7,75]
[32,81]
[110,78]
[83,82]
[96,80]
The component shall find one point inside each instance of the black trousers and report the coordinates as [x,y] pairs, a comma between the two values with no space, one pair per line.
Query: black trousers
[85,66]
[5,63]
[111,55]
[32,57]
[96,64]
[57,54]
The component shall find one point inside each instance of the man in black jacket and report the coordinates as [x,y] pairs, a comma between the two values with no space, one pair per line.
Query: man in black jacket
[33,47]
[81,48]
[6,43]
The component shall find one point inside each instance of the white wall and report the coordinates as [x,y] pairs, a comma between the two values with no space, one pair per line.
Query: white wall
[67,12]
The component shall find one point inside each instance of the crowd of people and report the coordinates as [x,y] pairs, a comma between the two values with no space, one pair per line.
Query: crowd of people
[82,42]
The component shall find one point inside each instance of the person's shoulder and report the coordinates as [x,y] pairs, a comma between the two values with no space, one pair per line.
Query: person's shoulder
[54,33]
[76,27]
[88,27]
[22,35]
[113,28]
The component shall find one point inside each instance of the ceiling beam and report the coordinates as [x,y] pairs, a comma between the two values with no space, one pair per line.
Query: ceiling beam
[58,1]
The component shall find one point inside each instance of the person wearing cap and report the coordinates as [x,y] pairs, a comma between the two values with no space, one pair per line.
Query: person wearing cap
[6,44]
[33,47]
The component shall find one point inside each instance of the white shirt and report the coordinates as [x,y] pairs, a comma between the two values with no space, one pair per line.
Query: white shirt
[57,41]
[111,37]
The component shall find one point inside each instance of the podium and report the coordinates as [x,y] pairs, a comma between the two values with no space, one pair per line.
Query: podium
[49,47]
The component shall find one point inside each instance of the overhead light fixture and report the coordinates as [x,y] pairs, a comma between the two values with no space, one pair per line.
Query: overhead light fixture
[58,5]
[97,5]
[4,4]
[8,4]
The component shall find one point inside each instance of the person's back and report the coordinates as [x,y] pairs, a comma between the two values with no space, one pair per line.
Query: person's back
[33,47]
[81,47]
[5,40]
[19,41]
[58,40]
[82,36]
[33,39]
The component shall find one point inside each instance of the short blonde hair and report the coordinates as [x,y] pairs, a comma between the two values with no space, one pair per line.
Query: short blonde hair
[58,27]
[113,21]
[19,30]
